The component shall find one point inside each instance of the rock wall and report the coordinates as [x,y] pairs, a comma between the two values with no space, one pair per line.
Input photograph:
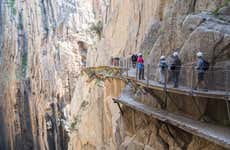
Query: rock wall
[42,91]
[39,61]
[157,28]
[94,116]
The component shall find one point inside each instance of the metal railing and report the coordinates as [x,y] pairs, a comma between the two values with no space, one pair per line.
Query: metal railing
[215,79]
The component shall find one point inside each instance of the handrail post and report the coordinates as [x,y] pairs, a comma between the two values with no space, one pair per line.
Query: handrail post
[148,71]
[127,68]
[165,89]
[192,77]
[136,72]
[227,90]
[227,80]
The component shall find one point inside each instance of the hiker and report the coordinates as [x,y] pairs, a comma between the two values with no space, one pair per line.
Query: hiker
[140,66]
[175,69]
[163,69]
[202,66]
[134,60]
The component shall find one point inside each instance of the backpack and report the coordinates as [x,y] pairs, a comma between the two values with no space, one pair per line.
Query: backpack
[163,65]
[205,66]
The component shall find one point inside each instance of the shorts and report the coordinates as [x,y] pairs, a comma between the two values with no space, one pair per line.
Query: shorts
[201,76]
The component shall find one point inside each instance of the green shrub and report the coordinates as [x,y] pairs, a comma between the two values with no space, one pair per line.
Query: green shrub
[97,27]
[216,11]
[12,6]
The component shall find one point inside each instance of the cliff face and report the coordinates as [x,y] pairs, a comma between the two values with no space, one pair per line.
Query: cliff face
[157,28]
[39,61]
[45,102]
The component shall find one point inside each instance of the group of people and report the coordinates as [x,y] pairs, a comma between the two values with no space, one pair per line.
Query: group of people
[174,67]
[138,61]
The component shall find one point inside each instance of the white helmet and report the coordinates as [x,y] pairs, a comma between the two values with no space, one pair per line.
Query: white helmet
[199,54]
[175,54]
[162,57]
[140,54]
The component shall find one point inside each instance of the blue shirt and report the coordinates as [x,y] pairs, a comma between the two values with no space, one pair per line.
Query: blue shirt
[200,63]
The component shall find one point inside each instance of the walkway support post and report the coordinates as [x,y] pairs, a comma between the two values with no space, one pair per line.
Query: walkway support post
[193,78]
[119,106]
[165,89]
[227,80]
[127,67]
[148,72]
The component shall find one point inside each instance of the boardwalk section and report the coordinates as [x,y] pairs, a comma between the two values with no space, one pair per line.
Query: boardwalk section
[217,134]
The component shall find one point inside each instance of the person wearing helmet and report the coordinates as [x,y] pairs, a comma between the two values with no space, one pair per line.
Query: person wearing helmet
[175,68]
[140,66]
[163,69]
[200,71]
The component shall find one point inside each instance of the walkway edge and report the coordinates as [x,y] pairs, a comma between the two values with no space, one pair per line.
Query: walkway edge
[217,134]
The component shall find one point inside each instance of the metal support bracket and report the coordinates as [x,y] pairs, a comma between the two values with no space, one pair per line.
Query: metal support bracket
[119,106]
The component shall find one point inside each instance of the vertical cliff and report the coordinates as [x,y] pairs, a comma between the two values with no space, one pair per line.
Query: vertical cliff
[154,28]
[39,61]
[46,102]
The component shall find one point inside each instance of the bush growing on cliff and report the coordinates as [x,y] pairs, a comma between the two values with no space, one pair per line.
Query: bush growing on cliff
[216,11]
[12,6]
[97,27]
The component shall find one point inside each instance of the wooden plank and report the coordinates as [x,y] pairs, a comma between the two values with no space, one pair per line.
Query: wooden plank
[217,134]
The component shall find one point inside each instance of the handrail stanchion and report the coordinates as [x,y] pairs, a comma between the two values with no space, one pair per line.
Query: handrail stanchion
[120,66]
[127,67]
[165,89]
[227,80]
[227,90]
[193,78]
[148,71]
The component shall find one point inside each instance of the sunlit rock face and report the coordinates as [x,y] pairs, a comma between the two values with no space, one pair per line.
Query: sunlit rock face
[39,62]
[158,28]
[41,87]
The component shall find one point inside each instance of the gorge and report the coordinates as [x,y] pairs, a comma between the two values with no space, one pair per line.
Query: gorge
[52,99]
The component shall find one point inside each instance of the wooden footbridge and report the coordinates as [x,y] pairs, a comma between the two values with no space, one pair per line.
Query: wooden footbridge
[215,133]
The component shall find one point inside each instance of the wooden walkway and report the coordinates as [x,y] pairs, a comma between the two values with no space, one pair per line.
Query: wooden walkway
[180,90]
[130,74]
[217,134]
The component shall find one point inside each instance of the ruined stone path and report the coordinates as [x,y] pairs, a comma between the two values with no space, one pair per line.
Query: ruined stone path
[217,134]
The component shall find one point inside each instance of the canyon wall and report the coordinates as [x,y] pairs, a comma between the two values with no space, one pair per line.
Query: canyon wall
[157,28]
[48,103]
[39,61]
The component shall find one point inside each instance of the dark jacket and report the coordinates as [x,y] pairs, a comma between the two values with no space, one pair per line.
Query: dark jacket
[134,58]
[176,63]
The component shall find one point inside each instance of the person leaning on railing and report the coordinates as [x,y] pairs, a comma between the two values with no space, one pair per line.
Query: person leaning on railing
[134,60]
[175,68]
[140,66]
[202,66]
[163,69]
